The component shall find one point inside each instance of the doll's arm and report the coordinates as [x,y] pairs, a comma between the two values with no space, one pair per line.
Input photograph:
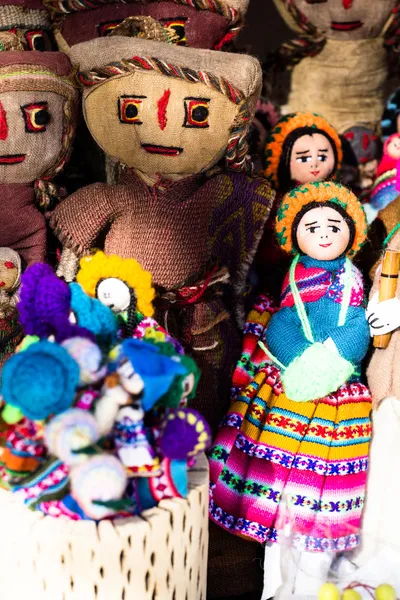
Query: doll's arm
[352,339]
[68,265]
[83,216]
[284,336]
[26,234]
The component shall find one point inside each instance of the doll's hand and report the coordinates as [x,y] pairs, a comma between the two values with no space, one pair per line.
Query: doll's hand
[383,317]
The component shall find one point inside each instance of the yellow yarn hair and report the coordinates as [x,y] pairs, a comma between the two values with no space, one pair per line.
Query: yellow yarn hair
[100,266]
[285,126]
[320,191]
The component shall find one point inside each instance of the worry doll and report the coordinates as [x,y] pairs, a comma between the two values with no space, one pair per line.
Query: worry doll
[340,60]
[294,444]
[37,110]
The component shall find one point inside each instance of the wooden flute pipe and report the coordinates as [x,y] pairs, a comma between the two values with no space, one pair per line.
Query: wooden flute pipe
[387,288]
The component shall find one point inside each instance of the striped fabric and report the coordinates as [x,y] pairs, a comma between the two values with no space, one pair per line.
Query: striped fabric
[275,460]
[315,454]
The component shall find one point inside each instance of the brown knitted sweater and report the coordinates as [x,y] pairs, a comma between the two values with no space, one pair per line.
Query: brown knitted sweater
[173,231]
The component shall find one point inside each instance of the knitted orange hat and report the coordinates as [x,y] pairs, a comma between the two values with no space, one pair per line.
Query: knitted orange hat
[275,143]
[320,192]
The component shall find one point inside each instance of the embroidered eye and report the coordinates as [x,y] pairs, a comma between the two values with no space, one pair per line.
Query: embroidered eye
[129,108]
[177,28]
[104,29]
[36,116]
[38,39]
[196,112]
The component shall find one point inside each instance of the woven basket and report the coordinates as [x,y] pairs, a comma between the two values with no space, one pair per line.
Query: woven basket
[161,555]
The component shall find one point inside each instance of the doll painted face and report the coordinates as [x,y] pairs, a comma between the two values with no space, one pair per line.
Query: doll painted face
[322,233]
[393,147]
[114,293]
[312,159]
[31,128]
[159,124]
[347,19]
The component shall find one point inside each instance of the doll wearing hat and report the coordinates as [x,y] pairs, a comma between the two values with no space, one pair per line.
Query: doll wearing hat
[297,436]
[37,106]
[185,208]
[301,148]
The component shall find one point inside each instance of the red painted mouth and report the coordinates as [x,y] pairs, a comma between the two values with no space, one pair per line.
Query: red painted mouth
[325,245]
[12,159]
[315,173]
[163,150]
[346,25]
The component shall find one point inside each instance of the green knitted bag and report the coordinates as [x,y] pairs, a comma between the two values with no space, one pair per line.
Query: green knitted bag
[319,371]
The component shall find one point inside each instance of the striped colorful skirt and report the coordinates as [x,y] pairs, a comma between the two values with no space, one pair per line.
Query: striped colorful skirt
[276,461]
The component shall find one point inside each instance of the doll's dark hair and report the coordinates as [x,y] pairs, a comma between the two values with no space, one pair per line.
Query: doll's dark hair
[330,204]
[286,183]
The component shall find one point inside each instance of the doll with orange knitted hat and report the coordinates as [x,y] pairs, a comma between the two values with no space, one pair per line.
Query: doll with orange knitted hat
[301,148]
[297,436]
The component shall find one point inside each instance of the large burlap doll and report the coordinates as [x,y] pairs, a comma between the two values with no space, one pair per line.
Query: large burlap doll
[197,23]
[37,106]
[340,58]
[29,21]
[176,117]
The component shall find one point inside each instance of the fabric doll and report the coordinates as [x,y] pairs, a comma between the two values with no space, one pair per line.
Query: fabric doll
[196,23]
[301,148]
[378,557]
[340,60]
[298,433]
[198,229]
[29,21]
[37,106]
[387,183]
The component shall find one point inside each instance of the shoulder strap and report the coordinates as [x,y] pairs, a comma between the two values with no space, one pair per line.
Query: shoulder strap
[348,286]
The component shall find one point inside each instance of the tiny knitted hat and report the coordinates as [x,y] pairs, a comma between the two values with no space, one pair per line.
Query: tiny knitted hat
[40,381]
[285,126]
[157,370]
[321,192]
[185,433]
[99,266]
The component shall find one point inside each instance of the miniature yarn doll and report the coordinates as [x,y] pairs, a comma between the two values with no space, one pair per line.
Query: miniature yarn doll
[121,284]
[37,106]
[10,276]
[301,148]
[196,23]
[299,432]
[198,229]
[340,60]
[29,21]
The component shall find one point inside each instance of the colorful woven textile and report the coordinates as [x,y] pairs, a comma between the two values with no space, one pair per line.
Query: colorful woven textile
[313,454]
